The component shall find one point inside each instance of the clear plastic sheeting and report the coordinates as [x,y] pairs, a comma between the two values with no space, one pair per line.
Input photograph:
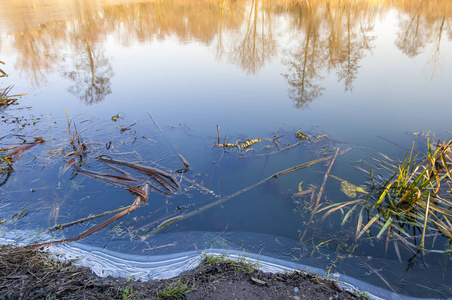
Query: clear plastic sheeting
[108,263]
[105,263]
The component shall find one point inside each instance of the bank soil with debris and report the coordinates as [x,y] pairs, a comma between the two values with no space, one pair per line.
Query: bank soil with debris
[27,273]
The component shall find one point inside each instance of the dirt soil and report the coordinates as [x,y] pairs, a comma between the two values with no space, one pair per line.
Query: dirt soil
[31,274]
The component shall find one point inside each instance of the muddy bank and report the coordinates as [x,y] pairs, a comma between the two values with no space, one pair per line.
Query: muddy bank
[32,274]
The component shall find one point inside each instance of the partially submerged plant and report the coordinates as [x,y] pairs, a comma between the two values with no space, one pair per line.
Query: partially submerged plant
[2,73]
[8,159]
[416,197]
[239,264]
[6,99]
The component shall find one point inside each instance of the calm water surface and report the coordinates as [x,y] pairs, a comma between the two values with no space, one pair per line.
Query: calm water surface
[365,75]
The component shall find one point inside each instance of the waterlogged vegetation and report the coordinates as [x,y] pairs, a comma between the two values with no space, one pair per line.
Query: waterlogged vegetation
[413,204]
[6,98]
[215,159]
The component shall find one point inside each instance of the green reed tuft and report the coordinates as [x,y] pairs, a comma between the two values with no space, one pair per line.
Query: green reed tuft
[417,197]
[6,99]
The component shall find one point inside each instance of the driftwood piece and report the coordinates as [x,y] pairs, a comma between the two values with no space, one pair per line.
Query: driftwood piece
[155,122]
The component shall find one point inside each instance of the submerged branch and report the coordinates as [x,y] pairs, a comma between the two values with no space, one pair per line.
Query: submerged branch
[226,198]
[319,196]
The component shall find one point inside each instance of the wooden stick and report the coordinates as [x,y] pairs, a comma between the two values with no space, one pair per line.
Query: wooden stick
[186,179]
[226,198]
[61,226]
[125,211]
[155,122]
[287,148]
[319,196]
[185,163]
[218,133]
[391,142]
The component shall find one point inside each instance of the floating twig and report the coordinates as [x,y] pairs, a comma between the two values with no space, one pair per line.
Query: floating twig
[15,154]
[120,171]
[277,151]
[61,226]
[378,274]
[140,199]
[92,174]
[186,165]
[122,129]
[391,142]
[227,145]
[155,122]
[153,172]
[319,196]
[185,178]
[218,133]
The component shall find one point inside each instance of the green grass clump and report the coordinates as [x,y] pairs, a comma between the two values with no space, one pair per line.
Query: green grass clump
[175,290]
[5,98]
[240,265]
[416,201]
[418,195]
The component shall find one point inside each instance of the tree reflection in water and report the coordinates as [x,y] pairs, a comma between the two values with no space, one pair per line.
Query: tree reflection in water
[338,42]
[326,35]
[91,75]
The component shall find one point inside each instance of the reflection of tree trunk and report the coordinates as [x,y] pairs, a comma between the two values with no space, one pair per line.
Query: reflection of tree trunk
[255,28]
[91,60]
[220,33]
[305,63]
[251,52]
[348,80]
[437,50]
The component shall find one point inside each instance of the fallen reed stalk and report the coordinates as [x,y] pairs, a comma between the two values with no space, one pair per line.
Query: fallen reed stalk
[277,151]
[319,195]
[155,122]
[153,172]
[61,226]
[15,154]
[94,175]
[140,199]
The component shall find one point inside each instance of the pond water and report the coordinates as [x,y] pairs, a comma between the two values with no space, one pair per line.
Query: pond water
[145,81]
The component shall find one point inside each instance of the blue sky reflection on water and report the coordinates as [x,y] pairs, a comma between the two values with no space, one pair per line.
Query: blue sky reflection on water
[353,71]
